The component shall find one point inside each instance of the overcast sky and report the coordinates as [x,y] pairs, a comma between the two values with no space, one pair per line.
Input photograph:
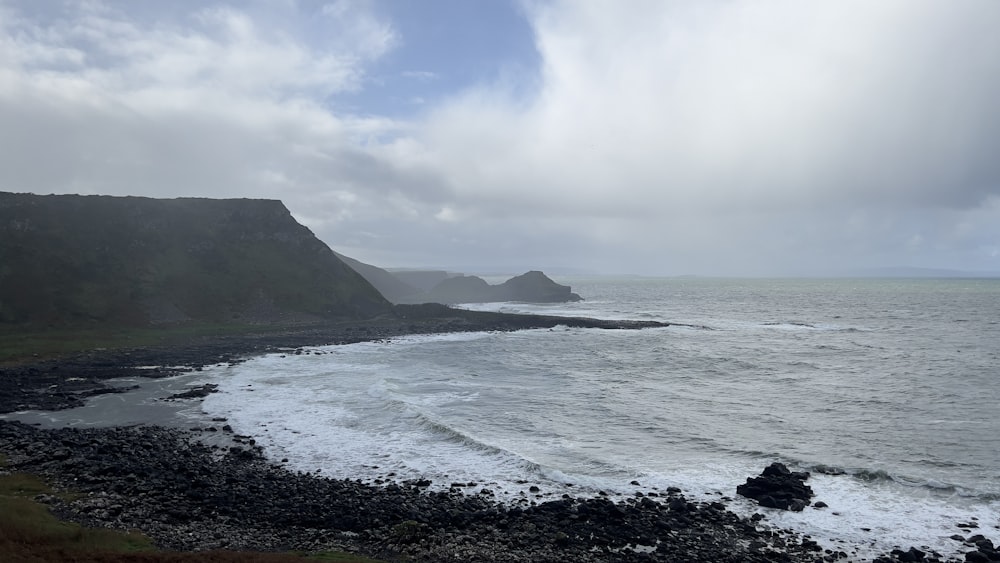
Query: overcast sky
[620,136]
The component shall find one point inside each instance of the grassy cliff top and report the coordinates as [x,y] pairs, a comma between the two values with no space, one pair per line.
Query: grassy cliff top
[100,262]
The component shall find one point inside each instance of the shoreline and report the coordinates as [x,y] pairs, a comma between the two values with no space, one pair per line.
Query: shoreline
[190,496]
[229,490]
[67,382]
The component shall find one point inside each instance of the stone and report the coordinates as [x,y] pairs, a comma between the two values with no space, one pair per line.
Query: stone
[777,487]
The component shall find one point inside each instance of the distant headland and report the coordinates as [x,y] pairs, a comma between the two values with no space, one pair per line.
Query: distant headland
[439,286]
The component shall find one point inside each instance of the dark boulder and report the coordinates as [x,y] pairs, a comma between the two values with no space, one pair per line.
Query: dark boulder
[911,555]
[195,392]
[777,487]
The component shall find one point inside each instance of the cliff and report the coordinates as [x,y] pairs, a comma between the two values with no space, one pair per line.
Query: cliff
[530,287]
[68,260]
[388,284]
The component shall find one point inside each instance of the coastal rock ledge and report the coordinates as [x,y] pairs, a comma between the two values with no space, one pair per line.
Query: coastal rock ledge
[778,487]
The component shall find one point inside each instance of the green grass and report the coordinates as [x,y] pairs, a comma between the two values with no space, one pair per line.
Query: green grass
[23,345]
[28,525]
[22,484]
[29,533]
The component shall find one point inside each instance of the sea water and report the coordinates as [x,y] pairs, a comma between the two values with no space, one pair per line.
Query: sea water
[886,390]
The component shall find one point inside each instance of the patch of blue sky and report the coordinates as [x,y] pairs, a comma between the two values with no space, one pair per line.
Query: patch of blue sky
[445,47]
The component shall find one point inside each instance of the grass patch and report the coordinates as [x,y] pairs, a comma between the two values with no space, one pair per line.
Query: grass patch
[29,533]
[22,485]
[22,345]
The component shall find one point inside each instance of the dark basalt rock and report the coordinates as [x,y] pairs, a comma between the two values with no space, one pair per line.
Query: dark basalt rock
[985,551]
[777,487]
[189,496]
[195,393]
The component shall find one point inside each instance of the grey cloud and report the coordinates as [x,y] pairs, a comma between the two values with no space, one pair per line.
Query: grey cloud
[671,138]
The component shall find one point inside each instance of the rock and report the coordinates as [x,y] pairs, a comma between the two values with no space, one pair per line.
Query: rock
[195,393]
[984,544]
[911,555]
[777,487]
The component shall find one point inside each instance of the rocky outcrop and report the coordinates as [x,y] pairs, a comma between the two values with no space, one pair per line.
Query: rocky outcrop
[777,487]
[531,287]
[535,287]
[461,289]
[438,286]
[101,261]
[985,551]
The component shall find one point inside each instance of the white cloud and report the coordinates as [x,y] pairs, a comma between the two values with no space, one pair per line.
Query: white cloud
[674,118]
[722,105]
[658,137]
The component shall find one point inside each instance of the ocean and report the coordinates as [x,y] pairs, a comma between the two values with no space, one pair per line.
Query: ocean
[887,390]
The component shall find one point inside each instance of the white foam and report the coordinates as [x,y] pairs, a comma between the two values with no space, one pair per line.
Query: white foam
[365,410]
[879,516]
[345,420]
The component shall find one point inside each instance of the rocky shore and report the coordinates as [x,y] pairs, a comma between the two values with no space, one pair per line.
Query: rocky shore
[67,382]
[190,496]
[188,493]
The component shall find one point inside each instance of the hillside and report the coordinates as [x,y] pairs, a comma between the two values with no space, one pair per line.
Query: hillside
[388,284]
[71,261]
[437,286]
[529,287]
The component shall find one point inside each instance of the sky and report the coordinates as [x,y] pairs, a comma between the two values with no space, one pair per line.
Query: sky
[650,137]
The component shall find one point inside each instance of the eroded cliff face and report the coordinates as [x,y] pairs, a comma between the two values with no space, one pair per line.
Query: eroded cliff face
[68,260]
